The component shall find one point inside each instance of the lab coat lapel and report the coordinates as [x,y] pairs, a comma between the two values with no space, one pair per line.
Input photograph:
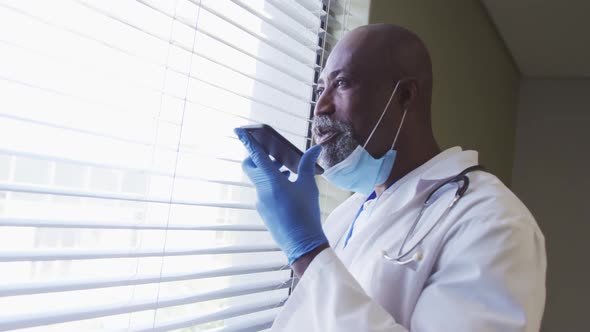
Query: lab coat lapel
[456,162]
[402,202]
[340,219]
[415,185]
[415,182]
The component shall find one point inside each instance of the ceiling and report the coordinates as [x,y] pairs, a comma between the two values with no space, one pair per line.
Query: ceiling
[548,38]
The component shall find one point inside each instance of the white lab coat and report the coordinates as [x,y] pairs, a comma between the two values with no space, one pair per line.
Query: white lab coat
[483,266]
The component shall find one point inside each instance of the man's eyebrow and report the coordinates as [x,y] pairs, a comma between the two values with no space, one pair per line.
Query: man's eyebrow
[331,75]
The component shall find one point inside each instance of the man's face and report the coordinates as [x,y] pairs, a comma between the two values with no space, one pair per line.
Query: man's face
[353,91]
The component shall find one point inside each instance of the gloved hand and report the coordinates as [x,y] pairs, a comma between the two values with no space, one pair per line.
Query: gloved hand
[290,210]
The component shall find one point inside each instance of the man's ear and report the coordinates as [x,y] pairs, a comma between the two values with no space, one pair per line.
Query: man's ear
[408,92]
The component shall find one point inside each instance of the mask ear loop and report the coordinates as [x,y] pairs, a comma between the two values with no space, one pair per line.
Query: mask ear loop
[383,114]
[399,128]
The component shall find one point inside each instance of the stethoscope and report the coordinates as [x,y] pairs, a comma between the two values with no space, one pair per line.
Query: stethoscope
[462,181]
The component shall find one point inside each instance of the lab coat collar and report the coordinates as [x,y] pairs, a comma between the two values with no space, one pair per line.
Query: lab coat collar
[444,165]
[448,164]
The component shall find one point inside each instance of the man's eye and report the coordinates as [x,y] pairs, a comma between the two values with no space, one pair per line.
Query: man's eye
[319,91]
[341,82]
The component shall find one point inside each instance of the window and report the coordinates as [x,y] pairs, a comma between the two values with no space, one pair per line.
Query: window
[122,201]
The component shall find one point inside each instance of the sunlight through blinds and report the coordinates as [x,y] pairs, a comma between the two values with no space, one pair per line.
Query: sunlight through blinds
[123,206]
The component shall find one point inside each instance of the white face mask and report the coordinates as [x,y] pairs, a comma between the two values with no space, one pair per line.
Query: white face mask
[360,172]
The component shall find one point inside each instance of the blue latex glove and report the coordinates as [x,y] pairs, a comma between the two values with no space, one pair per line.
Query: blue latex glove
[290,210]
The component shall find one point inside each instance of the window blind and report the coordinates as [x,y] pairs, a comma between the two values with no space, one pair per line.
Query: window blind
[123,206]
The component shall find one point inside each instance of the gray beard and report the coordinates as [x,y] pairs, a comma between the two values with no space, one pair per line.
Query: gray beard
[340,147]
[337,150]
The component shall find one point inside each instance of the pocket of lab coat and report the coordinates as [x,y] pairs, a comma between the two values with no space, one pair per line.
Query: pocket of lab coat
[394,286]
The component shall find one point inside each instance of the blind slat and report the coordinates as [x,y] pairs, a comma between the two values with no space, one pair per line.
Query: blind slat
[277,46]
[299,13]
[257,100]
[80,131]
[194,51]
[53,255]
[182,148]
[330,39]
[226,313]
[115,167]
[220,15]
[202,81]
[164,39]
[28,222]
[336,6]
[296,35]
[33,189]
[49,90]
[47,318]
[138,85]
[314,7]
[252,325]
[74,285]
[275,66]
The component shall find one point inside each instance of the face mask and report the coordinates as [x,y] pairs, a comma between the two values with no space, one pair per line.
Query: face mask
[360,172]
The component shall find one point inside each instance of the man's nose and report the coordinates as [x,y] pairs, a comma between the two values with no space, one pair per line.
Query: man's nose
[324,105]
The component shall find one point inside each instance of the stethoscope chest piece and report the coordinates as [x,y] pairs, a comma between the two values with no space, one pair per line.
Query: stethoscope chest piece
[416,257]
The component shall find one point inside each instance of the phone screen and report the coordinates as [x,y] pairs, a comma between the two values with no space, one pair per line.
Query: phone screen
[277,146]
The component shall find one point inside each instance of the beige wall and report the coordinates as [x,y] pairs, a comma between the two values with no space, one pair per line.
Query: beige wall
[475,80]
[551,168]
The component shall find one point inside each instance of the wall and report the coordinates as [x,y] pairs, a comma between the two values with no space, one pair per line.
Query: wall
[475,93]
[551,167]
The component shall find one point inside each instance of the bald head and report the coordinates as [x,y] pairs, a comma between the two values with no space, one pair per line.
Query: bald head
[355,91]
[388,51]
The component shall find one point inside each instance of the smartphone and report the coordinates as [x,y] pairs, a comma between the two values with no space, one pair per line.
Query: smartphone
[278,146]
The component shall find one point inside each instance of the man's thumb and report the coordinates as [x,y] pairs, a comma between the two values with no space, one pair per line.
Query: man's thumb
[308,160]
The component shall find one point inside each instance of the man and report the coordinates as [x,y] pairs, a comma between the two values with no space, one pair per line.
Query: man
[382,262]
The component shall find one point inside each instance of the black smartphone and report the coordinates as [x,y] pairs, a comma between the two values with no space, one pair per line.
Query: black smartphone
[278,146]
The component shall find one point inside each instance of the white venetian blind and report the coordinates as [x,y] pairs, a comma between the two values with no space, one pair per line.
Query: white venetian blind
[122,202]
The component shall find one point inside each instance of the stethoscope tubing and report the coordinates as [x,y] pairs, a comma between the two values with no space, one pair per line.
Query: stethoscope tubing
[462,181]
